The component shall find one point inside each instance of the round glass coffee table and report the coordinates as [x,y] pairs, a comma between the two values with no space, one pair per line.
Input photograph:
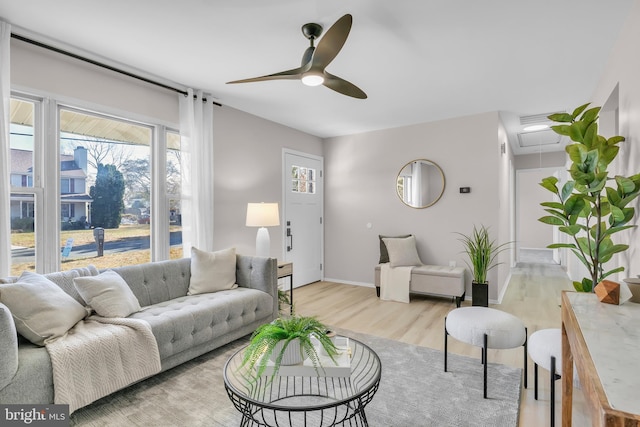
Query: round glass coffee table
[313,400]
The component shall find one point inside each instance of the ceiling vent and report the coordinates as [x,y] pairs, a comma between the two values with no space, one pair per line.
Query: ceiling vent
[535,118]
[536,139]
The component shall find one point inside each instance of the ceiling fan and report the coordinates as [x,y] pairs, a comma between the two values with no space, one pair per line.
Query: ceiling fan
[316,58]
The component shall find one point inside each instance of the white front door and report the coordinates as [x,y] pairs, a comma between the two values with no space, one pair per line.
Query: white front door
[303,195]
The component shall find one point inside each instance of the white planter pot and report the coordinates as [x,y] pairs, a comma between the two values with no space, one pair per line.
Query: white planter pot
[292,354]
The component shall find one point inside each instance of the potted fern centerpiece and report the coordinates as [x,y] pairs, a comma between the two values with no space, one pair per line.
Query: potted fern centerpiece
[483,255]
[286,341]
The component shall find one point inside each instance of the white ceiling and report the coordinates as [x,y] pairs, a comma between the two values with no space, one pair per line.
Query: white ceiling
[417,60]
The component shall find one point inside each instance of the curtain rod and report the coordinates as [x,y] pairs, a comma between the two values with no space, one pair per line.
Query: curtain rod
[102,65]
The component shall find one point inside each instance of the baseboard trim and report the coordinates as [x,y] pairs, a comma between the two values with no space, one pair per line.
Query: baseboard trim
[348,282]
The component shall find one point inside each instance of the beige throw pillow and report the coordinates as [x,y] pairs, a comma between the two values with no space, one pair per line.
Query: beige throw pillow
[41,310]
[212,271]
[107,294]
[402,252]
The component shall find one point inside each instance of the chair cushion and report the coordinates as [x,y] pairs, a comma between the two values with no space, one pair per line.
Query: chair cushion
[469,324]
[546,343]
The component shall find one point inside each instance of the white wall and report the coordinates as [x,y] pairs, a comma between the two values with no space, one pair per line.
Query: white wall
[623,70]
[248,168]
[360,181]
[531,233]
[248,149]
[51,73]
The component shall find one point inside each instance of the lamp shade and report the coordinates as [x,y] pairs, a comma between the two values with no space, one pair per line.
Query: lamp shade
[262,215]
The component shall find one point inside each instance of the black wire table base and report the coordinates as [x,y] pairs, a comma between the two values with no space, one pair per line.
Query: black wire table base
[310,401]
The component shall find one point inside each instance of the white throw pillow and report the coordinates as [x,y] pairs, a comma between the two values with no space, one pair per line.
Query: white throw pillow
[41,310]
[108,294]
[402,252]
[212,271]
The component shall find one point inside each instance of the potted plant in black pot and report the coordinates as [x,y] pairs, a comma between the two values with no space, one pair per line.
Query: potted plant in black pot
[287,341]
[483,256]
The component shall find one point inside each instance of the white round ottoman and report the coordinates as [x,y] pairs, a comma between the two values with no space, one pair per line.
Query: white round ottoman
[545,349]
[486,328]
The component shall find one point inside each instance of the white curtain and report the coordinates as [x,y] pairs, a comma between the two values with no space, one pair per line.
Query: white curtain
[196,144]
[5,163]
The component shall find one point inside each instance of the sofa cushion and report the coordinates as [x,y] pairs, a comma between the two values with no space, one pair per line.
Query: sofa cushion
[108,294]
[159,281]
[402,251]
[40,309]
[64,279]
[186,322]
[212,271]
[9,347]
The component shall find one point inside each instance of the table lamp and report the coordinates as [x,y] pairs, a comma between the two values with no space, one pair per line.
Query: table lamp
[262,215]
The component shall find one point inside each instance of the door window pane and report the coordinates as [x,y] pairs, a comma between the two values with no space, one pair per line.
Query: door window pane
[303,180]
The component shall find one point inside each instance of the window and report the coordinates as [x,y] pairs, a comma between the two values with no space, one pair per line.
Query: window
[303,180]
[23,197]
[174,185]
[98,173]
[105,182]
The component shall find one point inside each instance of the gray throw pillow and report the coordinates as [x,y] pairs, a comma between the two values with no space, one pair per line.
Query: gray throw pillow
[40,309]
[107,294]
[384,254]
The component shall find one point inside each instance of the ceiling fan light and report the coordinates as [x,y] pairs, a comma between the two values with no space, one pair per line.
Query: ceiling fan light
[312,79]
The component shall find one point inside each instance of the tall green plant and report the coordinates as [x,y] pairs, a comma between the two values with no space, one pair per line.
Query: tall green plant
[587,209]
[482,252]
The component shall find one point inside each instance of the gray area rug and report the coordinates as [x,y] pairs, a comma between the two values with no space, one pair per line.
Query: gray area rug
[414,391]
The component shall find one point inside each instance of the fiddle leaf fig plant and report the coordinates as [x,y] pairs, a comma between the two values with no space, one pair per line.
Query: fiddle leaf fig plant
[592,206]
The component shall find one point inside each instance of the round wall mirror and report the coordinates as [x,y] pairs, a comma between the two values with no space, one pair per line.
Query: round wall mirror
[420,183]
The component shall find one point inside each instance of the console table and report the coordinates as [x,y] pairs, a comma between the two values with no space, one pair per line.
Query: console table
[604,342]
[285,269]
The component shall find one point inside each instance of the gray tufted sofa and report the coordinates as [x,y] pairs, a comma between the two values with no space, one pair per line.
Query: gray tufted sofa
[184,326]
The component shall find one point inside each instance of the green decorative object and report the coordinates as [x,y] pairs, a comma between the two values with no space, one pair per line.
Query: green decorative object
[265,346]
[587,209]
[482,252]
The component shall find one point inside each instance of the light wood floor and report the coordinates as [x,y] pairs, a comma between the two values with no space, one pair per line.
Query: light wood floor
[533,295]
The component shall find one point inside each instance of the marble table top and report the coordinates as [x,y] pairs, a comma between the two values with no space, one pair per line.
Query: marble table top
[612,335]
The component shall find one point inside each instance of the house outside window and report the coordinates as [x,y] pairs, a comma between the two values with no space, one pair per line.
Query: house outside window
[89,142]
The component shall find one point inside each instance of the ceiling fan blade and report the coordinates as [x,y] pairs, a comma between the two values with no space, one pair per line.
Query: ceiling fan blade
[342,86]
[330,44]
[295,73]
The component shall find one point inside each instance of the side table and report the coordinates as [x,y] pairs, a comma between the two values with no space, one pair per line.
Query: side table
[285,269]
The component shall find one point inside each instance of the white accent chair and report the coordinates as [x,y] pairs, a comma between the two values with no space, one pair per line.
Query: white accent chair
[545,349]
[486,328]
